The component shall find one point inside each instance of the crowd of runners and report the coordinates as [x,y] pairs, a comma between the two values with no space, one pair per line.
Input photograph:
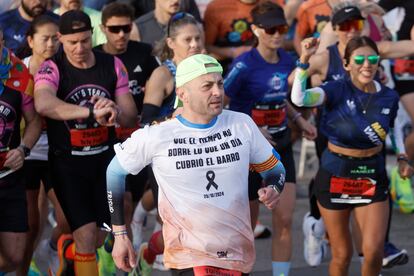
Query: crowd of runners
[110,110]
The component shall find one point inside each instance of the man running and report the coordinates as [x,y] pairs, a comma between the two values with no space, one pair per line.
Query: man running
[201,168]
[81,91]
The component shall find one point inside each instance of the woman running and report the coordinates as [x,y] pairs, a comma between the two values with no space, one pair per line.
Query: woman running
[358,114]
[42,43]
[257,84]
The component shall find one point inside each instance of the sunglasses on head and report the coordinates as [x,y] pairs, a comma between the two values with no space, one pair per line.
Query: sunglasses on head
[281,29]
[374,59]
[348,25]
[117,29]
[176,17]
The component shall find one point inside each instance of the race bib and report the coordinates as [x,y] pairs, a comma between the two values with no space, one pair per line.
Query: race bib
[89,137]
[123,133]
[352,187]
[404,69]
[214,271]
[268,115]
[3,154]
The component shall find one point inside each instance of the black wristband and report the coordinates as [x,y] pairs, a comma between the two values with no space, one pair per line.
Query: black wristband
[91,116]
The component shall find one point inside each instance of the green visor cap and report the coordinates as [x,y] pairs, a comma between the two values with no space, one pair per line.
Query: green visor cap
[195,66]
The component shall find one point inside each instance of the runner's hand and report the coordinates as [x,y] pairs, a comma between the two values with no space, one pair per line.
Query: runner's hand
[267,135]
[269,197]
[309,47]
[309,131]
[123,253]
[106,116]
[101,102]
[14,159]
[405,170]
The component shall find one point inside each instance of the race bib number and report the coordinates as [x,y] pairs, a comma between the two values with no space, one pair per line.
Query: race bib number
[402,66]
[3,154]
[353,187]
[89,137]
[214,271]
[269,117]
[123,133]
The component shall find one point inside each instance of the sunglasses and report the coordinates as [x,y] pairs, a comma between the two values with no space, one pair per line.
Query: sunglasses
[176,17]
[374,59]
[281,29]
[348,25]
[117,29]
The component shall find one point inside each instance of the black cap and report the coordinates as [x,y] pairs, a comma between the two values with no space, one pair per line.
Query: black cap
[346,13]
[74,21]
[271,18]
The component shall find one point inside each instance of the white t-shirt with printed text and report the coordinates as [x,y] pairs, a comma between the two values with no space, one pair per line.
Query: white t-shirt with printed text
[202,173]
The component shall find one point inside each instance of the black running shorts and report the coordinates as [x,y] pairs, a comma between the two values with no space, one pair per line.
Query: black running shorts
[80,186]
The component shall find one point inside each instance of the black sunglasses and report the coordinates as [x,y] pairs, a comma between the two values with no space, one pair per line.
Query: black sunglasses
[176,17]
[118,28]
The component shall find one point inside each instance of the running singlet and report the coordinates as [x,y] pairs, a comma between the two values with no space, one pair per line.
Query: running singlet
[336,68]
[12,102]
[15,27]
[355,119]
[167,106]
[259,88]
[140,63]
[107,78]
[202,173]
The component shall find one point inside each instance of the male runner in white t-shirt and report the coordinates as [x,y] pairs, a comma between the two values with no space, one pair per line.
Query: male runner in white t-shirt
[200,159]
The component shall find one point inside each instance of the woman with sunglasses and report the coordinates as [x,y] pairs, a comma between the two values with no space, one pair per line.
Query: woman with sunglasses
[327,65]
[42,43]
[358,114]
[257,85]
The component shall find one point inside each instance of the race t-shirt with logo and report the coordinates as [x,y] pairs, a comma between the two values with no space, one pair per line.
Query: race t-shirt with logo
[140,63]
[106,78]
[202,173]
[259,88]
[15,27]
[355,119]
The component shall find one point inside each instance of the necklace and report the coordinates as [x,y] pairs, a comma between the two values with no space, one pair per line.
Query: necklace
[364,108]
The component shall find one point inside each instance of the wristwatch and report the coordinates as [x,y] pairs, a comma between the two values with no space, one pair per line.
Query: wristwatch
[25,149]
[274,187]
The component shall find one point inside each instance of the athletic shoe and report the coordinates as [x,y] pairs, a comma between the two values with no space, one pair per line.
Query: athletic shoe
[45,254]
[393,256]
[66,265]
[34,270]
[401,192]
[261,231]
[143,268]
[315,248]
[51,218]
[159,263]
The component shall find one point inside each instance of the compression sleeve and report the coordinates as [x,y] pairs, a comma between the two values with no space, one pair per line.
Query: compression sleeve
[115,185]
[305,97]
[272,171]
[150,113]
[397,141]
